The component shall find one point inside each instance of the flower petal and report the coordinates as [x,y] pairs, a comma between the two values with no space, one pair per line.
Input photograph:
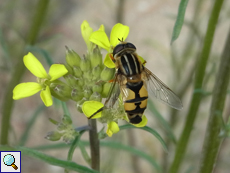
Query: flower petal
[56,71]
[102,28]
[112,128]
[34,66]
[101,39]
[108,62]
[46,96]
[142,123]
[23,90]
[90,107]
[86,31]
[142,60]
[119,31]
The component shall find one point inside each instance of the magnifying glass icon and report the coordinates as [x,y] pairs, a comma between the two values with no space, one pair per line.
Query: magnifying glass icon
[9,160]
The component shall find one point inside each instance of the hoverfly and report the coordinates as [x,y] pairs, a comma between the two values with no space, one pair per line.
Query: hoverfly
[131,80]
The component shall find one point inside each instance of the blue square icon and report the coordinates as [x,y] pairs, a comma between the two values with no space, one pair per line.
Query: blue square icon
[10,161]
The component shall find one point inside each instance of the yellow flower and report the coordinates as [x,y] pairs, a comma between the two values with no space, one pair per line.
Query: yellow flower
[100,38]
[86,31]
[43,80]
[90,107]
[112,127]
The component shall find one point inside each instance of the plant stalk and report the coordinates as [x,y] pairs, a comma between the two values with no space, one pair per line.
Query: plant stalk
[19,70]
[94,145]
[213,140]
[120,11]
[197,96]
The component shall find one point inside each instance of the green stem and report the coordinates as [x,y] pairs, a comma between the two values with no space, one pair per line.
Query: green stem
[120,11]
[197,96]
[212,140]
[72,148]
[94,145]
[19,70]
[65,108]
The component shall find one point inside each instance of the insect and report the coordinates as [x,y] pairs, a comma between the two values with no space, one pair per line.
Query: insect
[131,80]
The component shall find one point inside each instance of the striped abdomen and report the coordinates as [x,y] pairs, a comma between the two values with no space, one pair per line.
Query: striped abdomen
[136,101]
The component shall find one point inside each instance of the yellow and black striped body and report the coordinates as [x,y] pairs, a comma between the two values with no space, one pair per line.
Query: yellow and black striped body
[136,102]
[133,88]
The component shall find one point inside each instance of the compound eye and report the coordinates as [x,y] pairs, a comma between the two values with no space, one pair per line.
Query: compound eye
[130,45]
[118,48]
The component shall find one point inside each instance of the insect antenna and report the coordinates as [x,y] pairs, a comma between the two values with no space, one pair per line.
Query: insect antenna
[121,40]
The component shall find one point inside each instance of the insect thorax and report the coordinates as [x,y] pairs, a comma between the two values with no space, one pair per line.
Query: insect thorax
[129,64]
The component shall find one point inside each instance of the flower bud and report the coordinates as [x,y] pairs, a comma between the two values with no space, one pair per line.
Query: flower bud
[76,95]
[95,96]
[72,58]
[77,71]
[69,135]
[80,82]
[96,72]
[105,90]
[87,92]
[107,74]
[69,68]
[88,75]
[97,88]
[62,127]
[53,121]
[66,120]
[71,80]
[85,64]
[86,31]
[96,57]
[60,90]
[53,136]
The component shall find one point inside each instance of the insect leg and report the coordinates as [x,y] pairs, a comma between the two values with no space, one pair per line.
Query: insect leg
[99,110]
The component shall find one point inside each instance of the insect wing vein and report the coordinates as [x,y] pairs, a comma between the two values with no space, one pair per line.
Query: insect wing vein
[161,91]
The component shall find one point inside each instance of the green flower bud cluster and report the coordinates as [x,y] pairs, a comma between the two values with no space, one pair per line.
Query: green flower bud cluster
[64,130]
[87,78]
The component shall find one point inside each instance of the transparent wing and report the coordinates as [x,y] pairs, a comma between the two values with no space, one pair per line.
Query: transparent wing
[112,97]
[161,91]
[114,93]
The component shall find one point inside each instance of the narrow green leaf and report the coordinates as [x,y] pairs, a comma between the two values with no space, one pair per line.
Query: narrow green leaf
[30,124]
[52,146]
[162,121]
[180,20]
[116,145]
[202,91]
[72,148]
[148,129]
[53,121]
[84,153]
[50,160]
[119,146]
[200,72]
[110,144]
